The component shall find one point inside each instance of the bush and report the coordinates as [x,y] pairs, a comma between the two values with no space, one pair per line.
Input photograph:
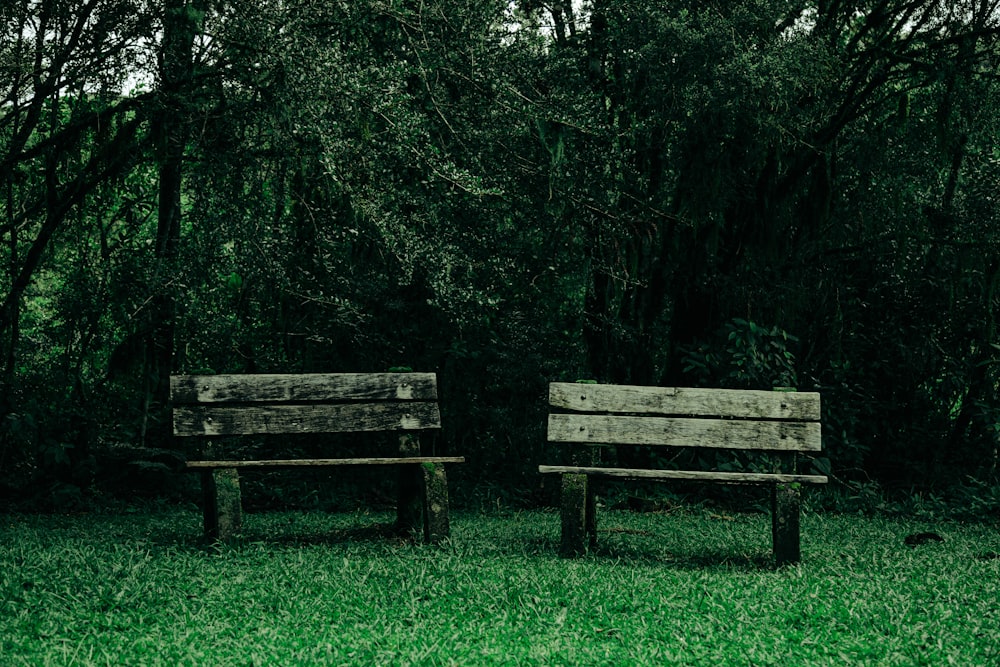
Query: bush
[744,355]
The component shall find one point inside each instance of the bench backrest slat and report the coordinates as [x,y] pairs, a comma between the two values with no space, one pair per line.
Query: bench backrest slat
[327,387]
[685,432]
[685,401]
[274,419]
[216,405]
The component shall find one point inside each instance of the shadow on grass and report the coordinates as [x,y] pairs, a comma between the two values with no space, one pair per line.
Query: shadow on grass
[695,559]
[642,555]
[373,535]
[381,533]
[491,537]
[304,530]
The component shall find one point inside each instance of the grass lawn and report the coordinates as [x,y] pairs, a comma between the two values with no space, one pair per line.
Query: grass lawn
[684,588]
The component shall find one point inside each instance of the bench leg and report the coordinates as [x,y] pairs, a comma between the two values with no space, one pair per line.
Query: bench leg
[435,502]
[785,523]
[576,520]
[223,516]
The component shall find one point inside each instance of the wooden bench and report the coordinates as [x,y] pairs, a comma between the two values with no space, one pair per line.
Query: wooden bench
[217,406]
[598,415]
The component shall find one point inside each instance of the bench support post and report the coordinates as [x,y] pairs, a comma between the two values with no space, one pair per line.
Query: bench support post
[435,503]
[785,523]
[223,516]
[576,520]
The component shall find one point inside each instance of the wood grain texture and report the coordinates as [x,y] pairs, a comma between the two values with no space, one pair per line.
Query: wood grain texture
[305,387]
[218,420]
[785,510]
[294,463]
[223,511]
[684,432]
[694,475]
[682,401]
[573,515]
[437,525]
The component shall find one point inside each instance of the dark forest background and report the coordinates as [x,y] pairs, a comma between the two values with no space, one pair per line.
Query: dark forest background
[747,193]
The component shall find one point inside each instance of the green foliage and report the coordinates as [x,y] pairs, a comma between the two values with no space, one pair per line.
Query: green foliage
[744,355]
[506,194]
[969,500]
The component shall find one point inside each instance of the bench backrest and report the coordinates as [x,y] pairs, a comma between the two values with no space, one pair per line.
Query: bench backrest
[602,414]
[217,405]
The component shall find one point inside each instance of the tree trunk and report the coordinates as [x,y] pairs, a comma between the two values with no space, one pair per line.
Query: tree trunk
[181,22]
[12,316]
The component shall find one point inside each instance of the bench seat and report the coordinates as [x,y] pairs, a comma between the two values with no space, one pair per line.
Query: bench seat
[693,475]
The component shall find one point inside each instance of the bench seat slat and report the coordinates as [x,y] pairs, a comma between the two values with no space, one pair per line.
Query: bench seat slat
[684,432]
[267,388]
[696,475]
[292,463]
[682,401]
[219,420]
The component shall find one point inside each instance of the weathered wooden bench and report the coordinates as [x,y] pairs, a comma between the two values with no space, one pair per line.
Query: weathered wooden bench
[217,406]
[596,415]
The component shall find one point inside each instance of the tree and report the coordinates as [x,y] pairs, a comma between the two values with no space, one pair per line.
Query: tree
[718,161]
[752,193]
[62,60]
[66,133]
[171,132]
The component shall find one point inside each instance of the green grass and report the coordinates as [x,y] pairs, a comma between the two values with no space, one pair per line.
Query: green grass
[662,589]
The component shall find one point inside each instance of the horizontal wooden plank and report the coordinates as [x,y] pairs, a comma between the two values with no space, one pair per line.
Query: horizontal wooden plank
[685,432]
[217,420]
[295,463]
[684,401]
[304,387]
[695,475]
